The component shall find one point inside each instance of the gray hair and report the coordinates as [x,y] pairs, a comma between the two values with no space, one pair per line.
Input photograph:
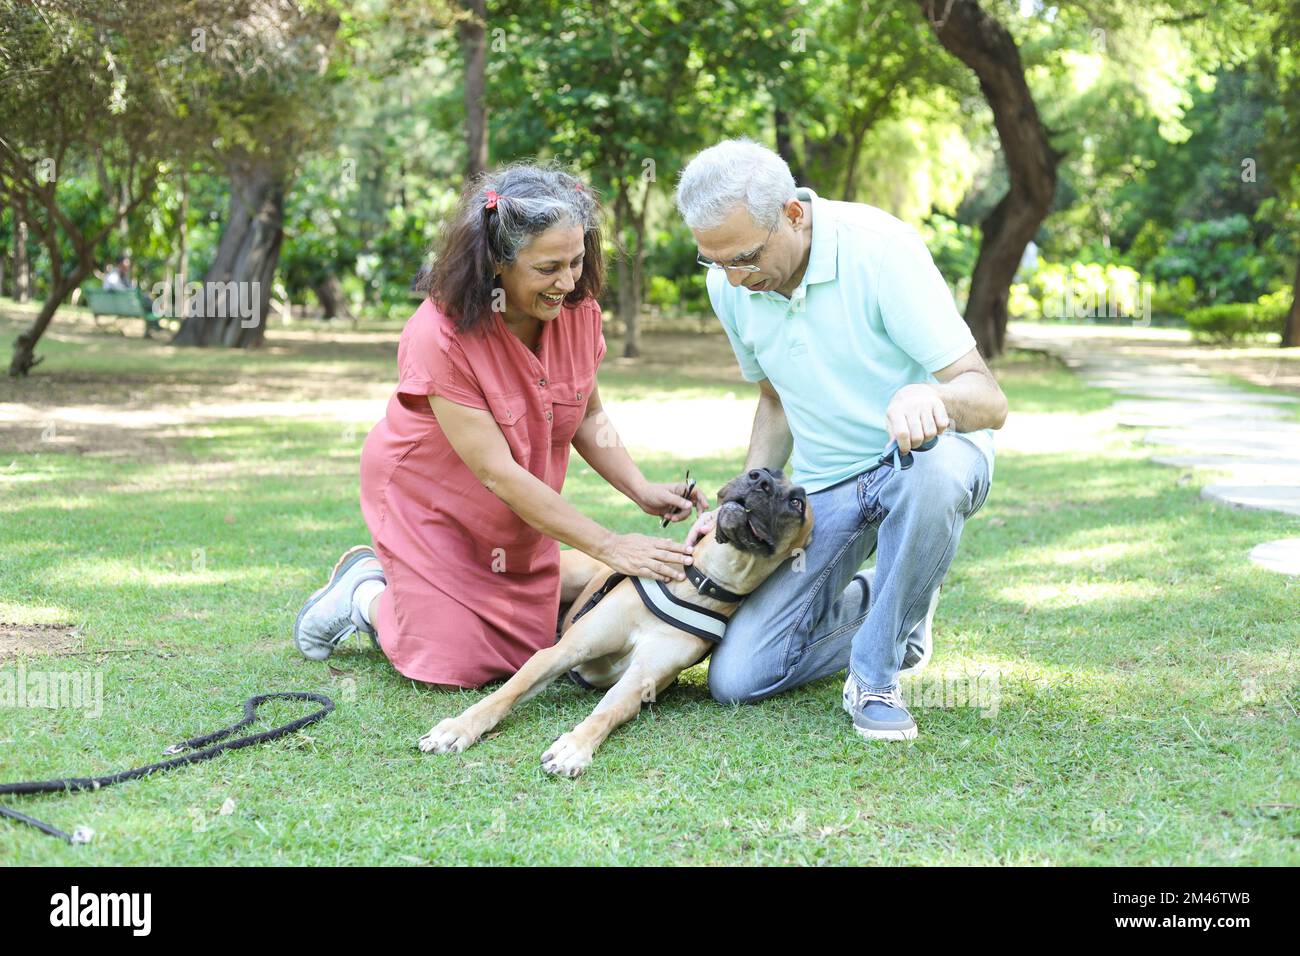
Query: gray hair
[500,213]
[530,200]
[733,171]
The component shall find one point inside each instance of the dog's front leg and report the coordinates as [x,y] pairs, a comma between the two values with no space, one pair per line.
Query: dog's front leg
[596,634]
[455,734]
[643,682]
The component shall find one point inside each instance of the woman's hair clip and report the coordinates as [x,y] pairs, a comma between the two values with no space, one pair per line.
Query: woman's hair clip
[492,198]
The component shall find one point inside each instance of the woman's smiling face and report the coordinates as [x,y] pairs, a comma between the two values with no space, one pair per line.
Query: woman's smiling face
[545,271]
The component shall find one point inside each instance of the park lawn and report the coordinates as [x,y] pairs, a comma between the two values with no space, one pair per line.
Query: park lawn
[1146,672]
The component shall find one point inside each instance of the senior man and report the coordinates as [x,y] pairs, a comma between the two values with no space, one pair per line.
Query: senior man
[837,311]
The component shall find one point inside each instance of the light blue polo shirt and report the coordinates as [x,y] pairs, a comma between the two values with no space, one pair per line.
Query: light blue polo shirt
[871,315]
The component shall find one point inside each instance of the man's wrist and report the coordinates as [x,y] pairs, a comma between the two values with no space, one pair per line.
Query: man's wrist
[948,399]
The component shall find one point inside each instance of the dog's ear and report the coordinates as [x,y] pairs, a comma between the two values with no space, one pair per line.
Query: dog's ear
[807,533]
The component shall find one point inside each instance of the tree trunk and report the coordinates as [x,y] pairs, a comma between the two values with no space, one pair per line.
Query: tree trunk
[785,146]
[22,268]
[984,45]
[333,302]
[633,346]
[474,51]
[24,358]
[237,288]
[183,260]
[1291,331]
[850,191]
[628,312]
[859,127]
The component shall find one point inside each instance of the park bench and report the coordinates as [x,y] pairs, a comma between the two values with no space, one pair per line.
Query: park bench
[127,303]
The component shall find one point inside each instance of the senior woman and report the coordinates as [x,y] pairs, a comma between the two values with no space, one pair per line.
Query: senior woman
[460,482]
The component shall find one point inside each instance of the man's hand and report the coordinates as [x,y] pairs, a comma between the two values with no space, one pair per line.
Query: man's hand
[916,414]
[703,525]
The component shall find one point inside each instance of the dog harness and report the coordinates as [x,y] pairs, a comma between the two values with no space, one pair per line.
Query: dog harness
[663,604]
[655,595]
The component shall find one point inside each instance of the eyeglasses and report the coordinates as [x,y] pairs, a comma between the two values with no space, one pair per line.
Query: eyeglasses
[756,255]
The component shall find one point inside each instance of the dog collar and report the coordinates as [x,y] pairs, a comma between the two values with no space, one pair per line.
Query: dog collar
[709,588]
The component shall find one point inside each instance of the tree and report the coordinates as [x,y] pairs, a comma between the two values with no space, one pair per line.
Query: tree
[261,97]
[1281,64]
[626,92]
[850,71]
[474,53]
[79,91]
[986,46]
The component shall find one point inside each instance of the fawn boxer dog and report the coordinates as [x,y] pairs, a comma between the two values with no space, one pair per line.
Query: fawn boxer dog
[633,636]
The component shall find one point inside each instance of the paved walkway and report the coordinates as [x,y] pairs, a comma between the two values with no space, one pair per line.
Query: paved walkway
[1248,439]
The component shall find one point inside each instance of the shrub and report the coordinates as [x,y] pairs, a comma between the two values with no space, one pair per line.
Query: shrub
[1237,320]
[1174,298]
[1080,290]
[1221,256]
[663,292]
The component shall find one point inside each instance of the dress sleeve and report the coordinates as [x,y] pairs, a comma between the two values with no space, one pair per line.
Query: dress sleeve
[600,331]
[431,364]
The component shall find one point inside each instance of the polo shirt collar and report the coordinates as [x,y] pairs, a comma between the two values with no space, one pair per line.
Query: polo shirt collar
[823,255]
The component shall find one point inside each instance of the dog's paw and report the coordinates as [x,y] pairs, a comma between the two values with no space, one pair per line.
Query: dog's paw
[566,757]
[451,736]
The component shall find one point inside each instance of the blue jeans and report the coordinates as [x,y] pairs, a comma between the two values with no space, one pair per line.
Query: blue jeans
[812,618]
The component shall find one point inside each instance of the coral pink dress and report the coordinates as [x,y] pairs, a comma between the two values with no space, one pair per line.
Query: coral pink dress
[473,590]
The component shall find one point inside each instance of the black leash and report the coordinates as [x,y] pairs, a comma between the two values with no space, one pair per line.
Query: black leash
[74,784]
[900,462]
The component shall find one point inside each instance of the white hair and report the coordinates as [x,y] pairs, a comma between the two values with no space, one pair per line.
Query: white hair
[733,171]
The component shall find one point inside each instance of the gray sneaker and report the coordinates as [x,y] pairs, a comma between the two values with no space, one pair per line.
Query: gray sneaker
[920,643]
[329,618]
[877,716]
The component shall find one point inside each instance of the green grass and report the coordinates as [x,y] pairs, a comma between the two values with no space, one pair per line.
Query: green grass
[1147,671]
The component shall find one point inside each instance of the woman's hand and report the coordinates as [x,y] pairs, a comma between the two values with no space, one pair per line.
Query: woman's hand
[640,555]
[667,500]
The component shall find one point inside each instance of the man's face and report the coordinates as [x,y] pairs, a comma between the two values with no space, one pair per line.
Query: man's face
[738,240]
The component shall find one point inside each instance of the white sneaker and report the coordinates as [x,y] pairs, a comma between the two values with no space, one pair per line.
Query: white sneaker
[329,617]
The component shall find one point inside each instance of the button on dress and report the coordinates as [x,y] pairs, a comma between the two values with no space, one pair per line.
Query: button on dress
[473,590]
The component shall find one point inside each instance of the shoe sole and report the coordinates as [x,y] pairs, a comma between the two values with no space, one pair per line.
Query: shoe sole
[908,733]
[901,734]
[341,567]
